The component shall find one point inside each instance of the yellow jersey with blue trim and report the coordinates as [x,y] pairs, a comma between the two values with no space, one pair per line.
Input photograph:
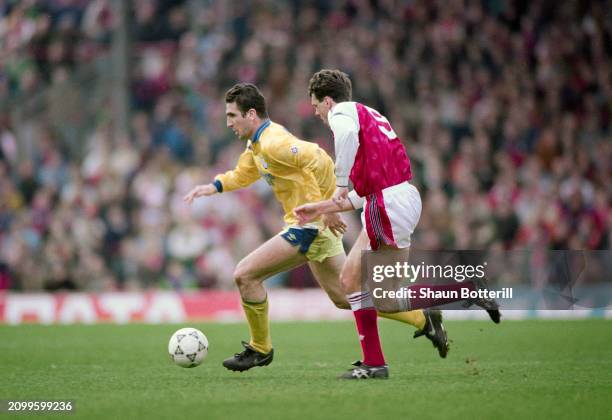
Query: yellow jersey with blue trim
[298,171]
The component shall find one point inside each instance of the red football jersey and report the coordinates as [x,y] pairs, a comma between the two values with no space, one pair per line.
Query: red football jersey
[381,160]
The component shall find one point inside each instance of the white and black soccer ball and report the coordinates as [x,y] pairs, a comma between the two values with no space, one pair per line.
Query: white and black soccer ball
[188,347]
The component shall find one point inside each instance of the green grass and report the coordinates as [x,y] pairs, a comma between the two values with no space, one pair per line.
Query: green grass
[515,370]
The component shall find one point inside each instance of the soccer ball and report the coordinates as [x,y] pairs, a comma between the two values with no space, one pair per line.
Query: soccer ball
[188,347]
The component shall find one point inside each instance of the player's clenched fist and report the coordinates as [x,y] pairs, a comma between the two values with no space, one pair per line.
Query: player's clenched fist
[200,191]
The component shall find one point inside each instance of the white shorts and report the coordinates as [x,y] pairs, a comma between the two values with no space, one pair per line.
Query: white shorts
[389,217]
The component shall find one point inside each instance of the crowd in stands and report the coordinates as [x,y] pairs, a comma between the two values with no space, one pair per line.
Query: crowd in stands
[505,108]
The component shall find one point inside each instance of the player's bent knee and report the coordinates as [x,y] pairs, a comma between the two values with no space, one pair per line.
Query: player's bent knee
[243,275]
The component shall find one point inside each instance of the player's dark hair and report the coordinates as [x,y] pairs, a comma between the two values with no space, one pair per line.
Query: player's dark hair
[247,96]
[333,83]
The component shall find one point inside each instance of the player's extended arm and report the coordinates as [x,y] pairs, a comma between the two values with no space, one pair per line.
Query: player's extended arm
[310,211]
[200,191]
[243,175]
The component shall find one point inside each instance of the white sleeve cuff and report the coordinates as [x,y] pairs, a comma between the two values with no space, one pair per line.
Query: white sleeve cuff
[341,181]
[355,200]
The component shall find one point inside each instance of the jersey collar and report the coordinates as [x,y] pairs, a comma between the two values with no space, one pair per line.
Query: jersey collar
[260,130]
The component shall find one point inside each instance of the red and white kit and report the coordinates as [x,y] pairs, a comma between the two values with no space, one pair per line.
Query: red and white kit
[369,153]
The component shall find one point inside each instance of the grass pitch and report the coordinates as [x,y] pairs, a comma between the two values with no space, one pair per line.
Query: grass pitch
[515,370]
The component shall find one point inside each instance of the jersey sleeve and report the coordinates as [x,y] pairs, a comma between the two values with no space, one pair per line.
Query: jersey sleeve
[346,142]
[243,175]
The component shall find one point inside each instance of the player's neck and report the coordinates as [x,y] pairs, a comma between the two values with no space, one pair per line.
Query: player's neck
[260,125]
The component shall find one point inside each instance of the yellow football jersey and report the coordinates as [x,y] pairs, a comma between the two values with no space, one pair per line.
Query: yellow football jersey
[299,172]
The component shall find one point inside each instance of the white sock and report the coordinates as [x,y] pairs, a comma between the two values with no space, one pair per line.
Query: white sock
[360,300]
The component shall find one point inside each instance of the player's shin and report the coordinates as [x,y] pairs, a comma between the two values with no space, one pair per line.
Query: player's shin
[259,325]
[367,327]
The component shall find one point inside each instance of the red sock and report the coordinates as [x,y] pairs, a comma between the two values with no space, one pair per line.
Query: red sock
[427,302]
[367,327]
